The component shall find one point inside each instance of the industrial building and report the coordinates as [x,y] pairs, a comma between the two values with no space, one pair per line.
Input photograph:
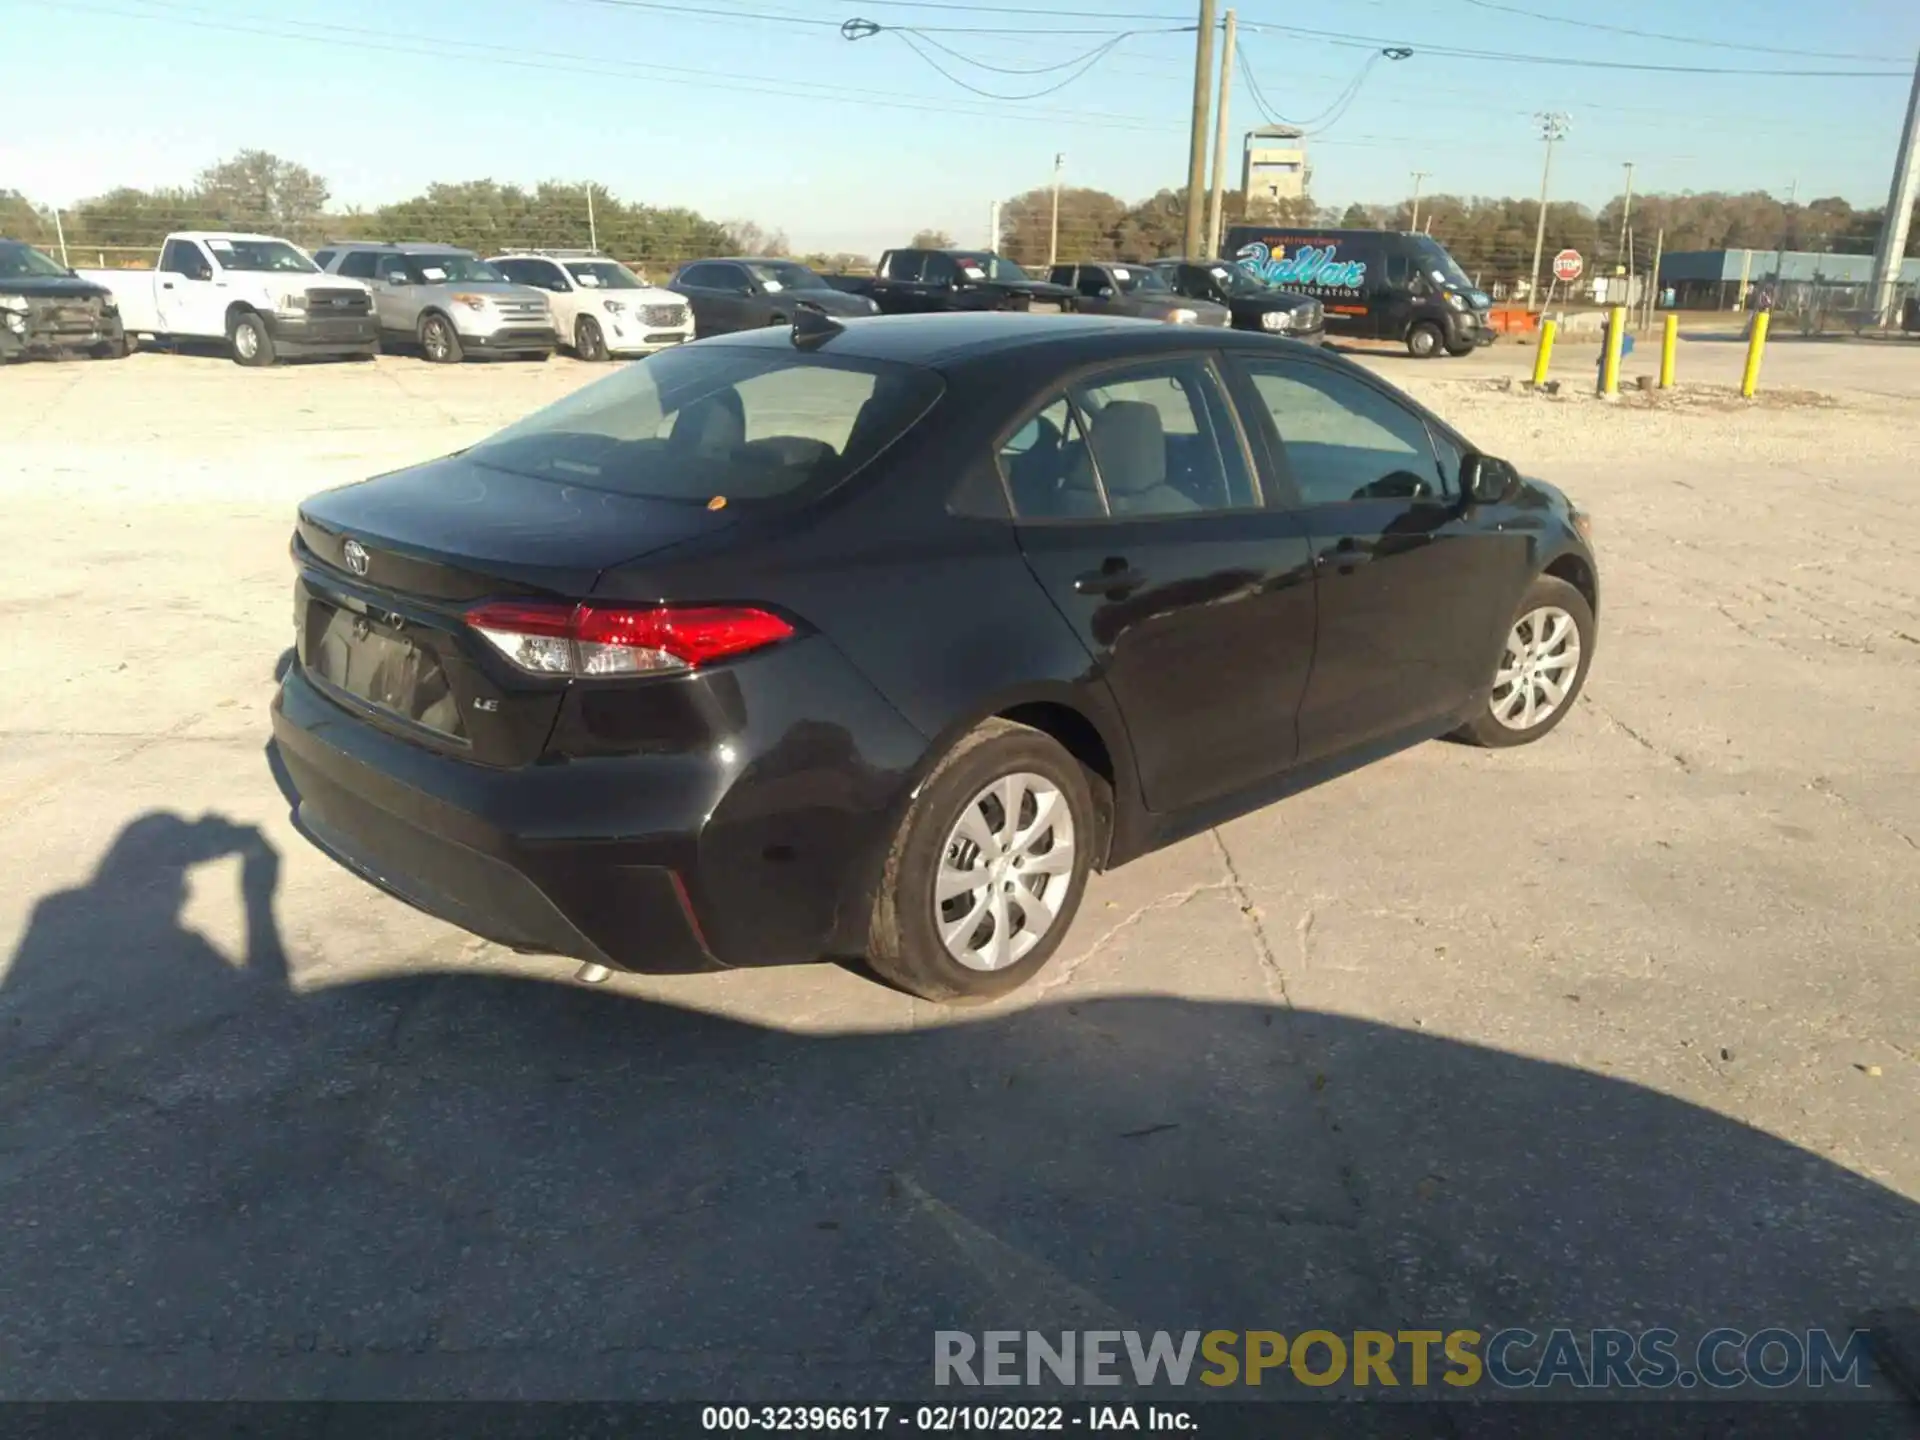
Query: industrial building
[1796,279]
[1273,165]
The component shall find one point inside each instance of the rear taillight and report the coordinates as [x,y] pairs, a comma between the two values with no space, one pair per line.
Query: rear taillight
[593,640]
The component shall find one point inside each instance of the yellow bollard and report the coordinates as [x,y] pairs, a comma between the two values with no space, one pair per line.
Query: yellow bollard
[1756,347]
[1548,329]
[1616,334]
[1667,343]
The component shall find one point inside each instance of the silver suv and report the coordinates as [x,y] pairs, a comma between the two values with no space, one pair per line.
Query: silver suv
[448,302]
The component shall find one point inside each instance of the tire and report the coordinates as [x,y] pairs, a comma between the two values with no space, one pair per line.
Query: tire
[1425,340]
[774,322]
[1548,597]
[439,341]
[248,340]
[905,944]
[588,341]
[1460,352]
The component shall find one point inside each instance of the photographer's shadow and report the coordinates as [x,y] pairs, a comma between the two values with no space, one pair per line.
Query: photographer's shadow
[476,1185]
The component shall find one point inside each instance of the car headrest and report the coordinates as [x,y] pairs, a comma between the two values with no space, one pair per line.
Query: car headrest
[1130,447]
[712,427]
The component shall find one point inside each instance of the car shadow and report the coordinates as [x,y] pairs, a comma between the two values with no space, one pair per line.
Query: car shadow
[222,1178]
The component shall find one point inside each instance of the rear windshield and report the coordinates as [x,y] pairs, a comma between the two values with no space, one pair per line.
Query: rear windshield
[705,423]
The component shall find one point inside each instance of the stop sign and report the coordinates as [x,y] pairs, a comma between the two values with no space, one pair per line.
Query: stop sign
[1567,265]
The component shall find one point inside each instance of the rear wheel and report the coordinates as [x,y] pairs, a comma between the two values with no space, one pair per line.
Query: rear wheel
[248,340]
[1460,352]
[1543,666]
[588,342]
[988,867]
[1425,341]
[439,342]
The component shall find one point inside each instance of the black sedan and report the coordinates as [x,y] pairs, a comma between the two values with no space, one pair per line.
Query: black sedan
[872,639]
[1256,305]
[729,295]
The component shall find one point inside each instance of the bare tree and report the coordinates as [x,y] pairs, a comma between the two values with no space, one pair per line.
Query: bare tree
[931,240]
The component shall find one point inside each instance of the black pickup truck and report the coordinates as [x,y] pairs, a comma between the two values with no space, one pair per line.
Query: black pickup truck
[46,309]
[919,282]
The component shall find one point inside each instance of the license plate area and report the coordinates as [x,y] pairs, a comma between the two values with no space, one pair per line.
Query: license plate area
[381,665]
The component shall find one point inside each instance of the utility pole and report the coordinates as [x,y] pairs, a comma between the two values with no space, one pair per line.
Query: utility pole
[60,234]
[1197,137]
[1893,232]
[1053,234]
[993,227]
[1553,129]
[1418,175]
[1626,234]
[1216,208]
[593,233]
[1786,230]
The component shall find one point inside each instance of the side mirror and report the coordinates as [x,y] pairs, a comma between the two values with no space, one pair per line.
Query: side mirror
[1488,480]
[203,271]
[1105,292]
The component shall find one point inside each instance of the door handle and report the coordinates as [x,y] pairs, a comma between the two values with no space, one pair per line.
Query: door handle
[1113,579]
[1346,555]
[166,284]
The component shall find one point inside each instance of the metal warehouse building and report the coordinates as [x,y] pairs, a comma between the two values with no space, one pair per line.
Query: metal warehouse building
[1723,279]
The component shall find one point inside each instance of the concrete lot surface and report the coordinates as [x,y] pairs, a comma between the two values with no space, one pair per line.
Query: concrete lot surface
[1616,1030]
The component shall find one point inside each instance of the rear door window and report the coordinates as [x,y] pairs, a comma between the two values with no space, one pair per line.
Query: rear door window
[699,424]
[358,265]
[1149,440]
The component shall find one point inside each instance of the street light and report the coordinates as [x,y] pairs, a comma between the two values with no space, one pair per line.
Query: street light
[1053,235]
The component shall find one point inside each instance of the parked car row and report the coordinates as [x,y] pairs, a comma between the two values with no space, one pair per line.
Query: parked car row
[249,292]
[262,299]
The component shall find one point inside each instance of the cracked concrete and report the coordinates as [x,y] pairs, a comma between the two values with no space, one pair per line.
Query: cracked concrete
[1614,1030]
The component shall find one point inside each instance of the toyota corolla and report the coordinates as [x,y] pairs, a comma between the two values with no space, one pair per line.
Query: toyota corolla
[872,638]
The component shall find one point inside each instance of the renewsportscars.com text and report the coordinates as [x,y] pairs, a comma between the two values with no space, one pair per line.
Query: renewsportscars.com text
[1443,1360]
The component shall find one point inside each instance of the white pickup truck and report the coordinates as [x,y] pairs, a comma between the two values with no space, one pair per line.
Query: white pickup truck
[261,296]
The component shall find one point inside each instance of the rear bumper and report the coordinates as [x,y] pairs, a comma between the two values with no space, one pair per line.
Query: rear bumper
[460,842]
[754,837]
[323,335]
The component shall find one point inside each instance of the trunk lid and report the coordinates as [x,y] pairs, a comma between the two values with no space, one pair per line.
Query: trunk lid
[389,567]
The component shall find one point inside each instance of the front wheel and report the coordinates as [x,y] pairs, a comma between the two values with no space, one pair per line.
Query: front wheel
[1425,341]
[988,867]
[248,340]
[1543,666]
[439,342]
[588,342]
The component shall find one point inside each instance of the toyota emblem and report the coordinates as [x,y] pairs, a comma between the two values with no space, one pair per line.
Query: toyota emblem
[356,557]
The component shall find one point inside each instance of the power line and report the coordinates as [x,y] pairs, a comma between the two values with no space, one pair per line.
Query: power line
[1583,62]
[1334,112]
[913,37]
[519,57]
[1669,39]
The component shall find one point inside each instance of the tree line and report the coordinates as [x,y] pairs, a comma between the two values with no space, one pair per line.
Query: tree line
[255,190]
[1491,237]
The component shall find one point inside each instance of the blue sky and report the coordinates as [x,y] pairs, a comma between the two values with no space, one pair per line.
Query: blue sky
[856,144]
